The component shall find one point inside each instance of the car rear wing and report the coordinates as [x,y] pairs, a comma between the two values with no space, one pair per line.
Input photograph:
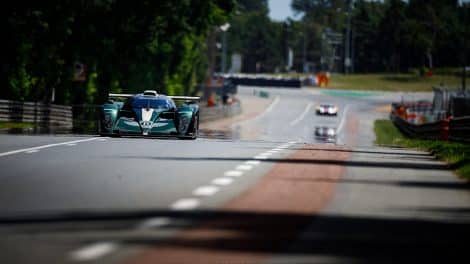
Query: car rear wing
[116,95]
[185,98]
[176,98]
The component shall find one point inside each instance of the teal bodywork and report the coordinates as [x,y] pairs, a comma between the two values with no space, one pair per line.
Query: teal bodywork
[150,116]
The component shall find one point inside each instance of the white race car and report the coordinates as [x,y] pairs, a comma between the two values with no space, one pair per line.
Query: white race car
[327,109]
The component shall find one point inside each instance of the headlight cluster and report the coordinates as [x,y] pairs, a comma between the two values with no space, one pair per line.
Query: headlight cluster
[330,132]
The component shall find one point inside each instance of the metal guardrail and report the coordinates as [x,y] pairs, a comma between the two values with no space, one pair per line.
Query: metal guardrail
[45,115]
[83,118]
[454,129]
[459,129]
[425,131]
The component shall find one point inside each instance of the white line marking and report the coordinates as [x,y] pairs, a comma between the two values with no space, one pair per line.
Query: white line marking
[102,139]
[265,154]
[205,190]
[292,142]
[71,144]
[32,151]
[244,167]
[301,116]
[44,146]
[273,151]
[93,251]
[278,149]
[268,109]
[253,162]
[343,118]
[154,223]
[260,157]
[233,173]
[222,181]
[185,204]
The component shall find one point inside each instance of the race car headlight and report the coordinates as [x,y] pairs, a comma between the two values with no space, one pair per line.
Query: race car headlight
[330,132]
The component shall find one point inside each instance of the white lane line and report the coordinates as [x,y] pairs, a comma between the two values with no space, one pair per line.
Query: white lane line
[301,116]
[205,190]
[233,173]
[32,151]
[273,151]
[185,204]
[244,167]
[44,146]
[154,223]
[93,251]
[268,109]
[260,157]
[253,162]
[292,142]
[278,149]
[102,139]
[343,118]
[222,181]
[265,154]
[71,144]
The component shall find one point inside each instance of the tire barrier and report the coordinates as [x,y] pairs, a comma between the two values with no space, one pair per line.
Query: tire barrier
[266,81]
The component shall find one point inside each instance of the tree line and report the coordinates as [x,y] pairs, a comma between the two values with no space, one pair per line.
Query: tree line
[170,46]
[125,46]
[385,36]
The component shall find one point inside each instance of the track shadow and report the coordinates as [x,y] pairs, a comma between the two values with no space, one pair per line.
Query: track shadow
[410,154]
[358,239]
[407,183]
[347,163]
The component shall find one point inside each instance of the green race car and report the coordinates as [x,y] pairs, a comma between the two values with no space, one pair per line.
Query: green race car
[150,114]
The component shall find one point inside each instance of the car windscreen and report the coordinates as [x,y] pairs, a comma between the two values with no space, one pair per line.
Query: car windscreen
[151,103]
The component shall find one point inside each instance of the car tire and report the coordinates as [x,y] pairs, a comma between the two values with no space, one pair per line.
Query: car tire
[195,128]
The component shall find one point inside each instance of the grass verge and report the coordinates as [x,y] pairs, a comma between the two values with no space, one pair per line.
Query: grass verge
[392,82]
[8,125]
[456,154]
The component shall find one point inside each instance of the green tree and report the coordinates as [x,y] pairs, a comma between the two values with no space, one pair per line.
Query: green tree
[126,46]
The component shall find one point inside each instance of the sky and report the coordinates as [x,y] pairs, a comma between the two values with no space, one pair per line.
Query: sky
[279,10]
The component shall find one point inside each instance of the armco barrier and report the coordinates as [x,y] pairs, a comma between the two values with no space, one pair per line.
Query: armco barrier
[459,129]
[425,131]
[83,118]
[44,115]
[455,129]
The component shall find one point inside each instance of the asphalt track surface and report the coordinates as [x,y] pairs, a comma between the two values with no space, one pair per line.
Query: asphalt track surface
[87,199]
